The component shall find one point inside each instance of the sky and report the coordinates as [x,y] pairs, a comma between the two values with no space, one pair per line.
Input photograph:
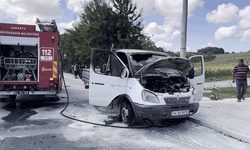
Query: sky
[215,23]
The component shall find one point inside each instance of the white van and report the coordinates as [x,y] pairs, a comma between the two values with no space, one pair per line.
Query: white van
[146,84]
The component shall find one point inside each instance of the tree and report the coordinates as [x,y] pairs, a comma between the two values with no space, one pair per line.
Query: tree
[148,44]
[101,25]
[91,31]
[75,46]
[190,54]
[97,24]
[209,56]
[128,24]
[213,50]
[105,25]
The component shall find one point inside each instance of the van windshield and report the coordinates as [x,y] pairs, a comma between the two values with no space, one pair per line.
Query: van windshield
[140,60]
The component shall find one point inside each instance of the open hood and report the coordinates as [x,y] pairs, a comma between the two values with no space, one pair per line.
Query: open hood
[181,64]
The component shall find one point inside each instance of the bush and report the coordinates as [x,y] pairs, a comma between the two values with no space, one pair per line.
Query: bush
[213,50]
[209,57]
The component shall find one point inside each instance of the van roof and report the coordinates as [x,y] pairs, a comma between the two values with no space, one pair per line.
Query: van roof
[137,51]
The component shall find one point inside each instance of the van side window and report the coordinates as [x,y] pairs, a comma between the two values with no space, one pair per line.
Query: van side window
[197,62]
[123,58]
[106,63]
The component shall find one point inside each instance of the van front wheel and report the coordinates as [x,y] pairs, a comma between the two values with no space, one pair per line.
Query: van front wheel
[126,113]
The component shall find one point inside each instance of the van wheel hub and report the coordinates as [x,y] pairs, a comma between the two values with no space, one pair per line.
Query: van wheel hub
[125,114]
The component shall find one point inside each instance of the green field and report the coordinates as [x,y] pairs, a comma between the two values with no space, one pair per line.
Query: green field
[222,66]
[227,92]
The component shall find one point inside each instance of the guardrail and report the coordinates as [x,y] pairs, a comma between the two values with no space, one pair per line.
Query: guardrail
[85,76]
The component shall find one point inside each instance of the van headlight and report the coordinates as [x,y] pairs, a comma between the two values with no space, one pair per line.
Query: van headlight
[149,97]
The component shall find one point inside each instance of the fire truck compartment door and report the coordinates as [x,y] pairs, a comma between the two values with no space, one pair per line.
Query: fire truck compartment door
[24,41]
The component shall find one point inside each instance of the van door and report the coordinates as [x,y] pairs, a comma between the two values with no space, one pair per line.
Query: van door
[108,77]
[199,76]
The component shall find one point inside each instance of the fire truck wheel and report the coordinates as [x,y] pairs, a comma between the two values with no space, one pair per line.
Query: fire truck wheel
[12,97]
[126,113]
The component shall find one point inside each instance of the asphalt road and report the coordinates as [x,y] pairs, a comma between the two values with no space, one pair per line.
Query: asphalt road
[39,125]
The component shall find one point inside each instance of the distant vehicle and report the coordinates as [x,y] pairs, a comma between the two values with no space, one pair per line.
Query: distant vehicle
[30,60]
[145,84]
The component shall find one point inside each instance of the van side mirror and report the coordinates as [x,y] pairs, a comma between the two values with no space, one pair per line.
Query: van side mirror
[190,74]
[104,66]
[124,72]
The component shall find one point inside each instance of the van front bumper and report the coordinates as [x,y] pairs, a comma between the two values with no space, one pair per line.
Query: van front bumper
[162,112]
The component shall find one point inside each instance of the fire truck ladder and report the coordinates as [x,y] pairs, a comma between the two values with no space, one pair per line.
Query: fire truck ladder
[47,26]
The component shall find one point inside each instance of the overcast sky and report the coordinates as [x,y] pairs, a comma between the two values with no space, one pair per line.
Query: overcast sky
[220,23]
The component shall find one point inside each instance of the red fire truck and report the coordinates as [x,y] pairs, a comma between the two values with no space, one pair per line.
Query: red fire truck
[30,60]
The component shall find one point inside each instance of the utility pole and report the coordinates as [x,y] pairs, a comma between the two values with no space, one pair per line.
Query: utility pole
[183,50]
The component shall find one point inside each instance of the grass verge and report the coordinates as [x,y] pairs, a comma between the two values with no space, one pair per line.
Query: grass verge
[218,78]
[227,92]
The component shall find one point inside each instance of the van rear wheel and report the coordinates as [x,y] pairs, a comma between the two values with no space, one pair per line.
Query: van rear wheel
[126,113]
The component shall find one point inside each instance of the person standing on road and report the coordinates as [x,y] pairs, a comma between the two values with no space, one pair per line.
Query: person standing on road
[80,71]
[75,70]
[240,73]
